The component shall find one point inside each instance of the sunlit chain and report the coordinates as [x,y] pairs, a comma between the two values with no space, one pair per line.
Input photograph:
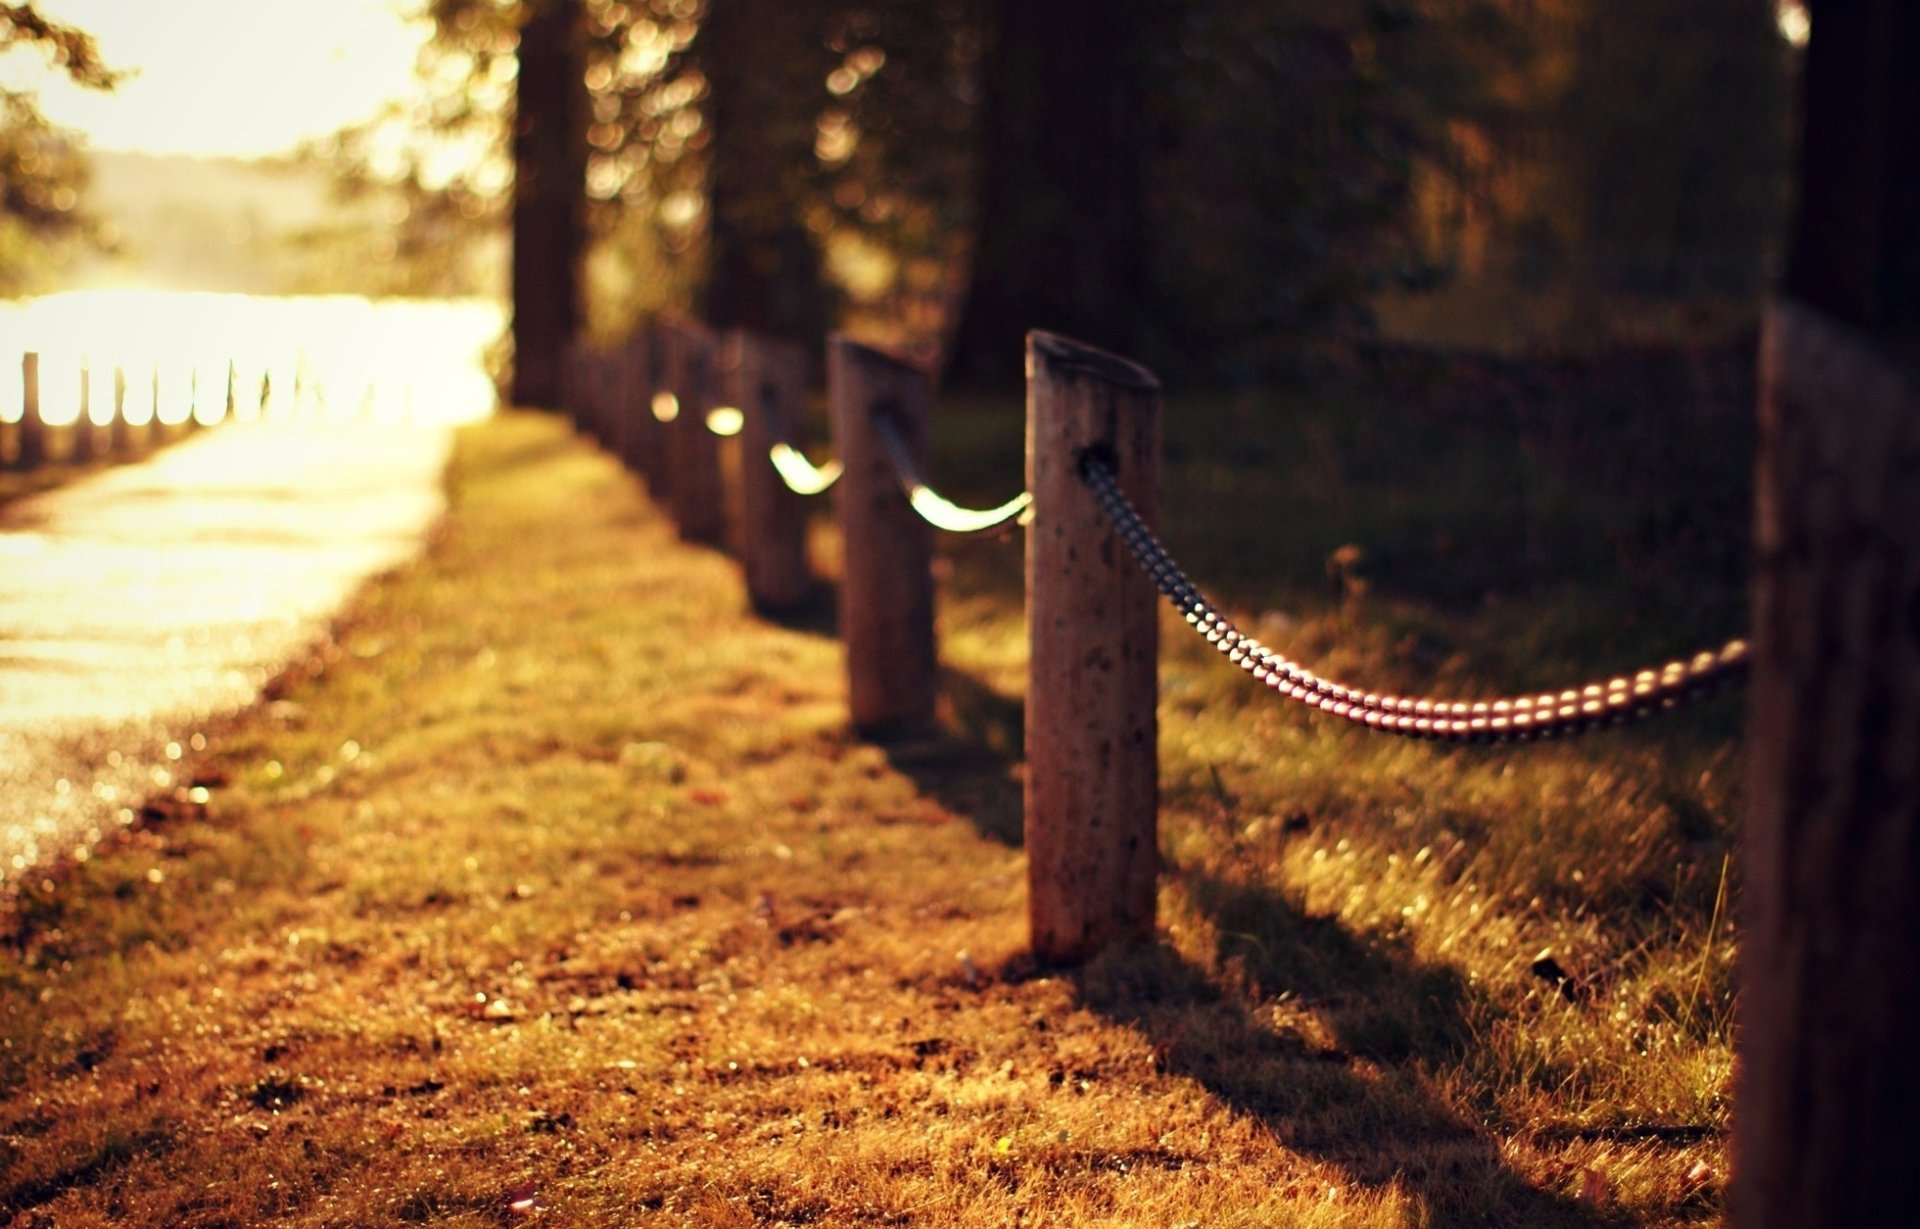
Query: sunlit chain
[1521,718]
[802,476]
[933,508]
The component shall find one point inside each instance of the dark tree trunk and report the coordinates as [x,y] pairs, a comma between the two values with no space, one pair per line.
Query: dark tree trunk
[549,199]
[764,61]
[1061,227]
[1828,1111]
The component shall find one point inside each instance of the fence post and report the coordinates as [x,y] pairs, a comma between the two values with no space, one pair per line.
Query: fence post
[693,452]
[120,433]
[886,581]
[1827,1100]
[640,433]
[1092,791]
[30,451]
[82,448]
[766,380]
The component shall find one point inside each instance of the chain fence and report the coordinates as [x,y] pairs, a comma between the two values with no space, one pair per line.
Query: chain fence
[934,508]
[1555,714]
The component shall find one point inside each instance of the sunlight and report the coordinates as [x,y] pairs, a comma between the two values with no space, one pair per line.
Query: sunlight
[193,355]
[1795,22]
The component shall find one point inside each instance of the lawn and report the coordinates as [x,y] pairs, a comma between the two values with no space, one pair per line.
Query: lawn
[552,888]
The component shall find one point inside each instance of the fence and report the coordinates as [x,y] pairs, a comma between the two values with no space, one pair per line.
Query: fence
[134,412]
[672,395]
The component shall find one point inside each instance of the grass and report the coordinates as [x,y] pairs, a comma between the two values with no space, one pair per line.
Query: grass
[553,888]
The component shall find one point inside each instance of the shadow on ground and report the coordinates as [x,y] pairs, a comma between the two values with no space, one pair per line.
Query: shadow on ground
[1361,1101]
[970,764]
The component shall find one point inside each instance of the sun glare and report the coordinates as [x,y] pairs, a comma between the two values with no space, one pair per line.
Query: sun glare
[181,355]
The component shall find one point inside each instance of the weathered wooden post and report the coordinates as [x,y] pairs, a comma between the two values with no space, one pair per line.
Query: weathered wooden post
[886,575]
[766,379]
[30,445]
[82,449]
[694,486]
[1092,791]
[1827,1109]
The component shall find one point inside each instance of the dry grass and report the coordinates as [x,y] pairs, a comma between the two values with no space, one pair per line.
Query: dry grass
[552,889]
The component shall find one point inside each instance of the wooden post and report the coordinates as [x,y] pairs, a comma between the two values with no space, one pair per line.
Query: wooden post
[886,574]
[766,380]
[640,437]
[1092,791]
[695,489]
[156,430]
[30,448]
[82,449]
[120,433]
[1827,1109]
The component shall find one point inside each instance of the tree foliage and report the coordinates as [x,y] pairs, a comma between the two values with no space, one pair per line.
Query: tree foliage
[43,171]
[1204,183]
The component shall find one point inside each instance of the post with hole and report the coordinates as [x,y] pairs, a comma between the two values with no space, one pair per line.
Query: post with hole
[1092,791]
[886,586]
[766,379]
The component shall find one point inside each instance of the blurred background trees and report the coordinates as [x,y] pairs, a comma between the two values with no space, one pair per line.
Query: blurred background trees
[1215,186]
[43,170]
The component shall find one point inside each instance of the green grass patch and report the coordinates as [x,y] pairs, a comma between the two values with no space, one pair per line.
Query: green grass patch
[552,887]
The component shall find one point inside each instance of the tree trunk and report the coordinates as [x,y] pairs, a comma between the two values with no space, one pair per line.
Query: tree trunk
[764,61]
[549,199]
[1061,235]
[1828,1110]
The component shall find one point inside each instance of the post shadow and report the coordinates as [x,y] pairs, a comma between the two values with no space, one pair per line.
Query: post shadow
[1362,1103]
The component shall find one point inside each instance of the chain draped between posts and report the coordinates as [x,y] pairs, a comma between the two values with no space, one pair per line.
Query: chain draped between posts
[1514,719]
[934,508]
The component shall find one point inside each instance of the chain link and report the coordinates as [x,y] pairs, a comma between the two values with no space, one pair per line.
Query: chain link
[1514,719]
[934,508]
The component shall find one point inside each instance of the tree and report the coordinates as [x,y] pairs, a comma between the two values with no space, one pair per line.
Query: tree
[43,171]
[1061,235]
[549,197]
[764,62]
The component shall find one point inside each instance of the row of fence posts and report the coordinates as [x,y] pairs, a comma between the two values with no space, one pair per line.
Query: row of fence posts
[30,442]
[666,399]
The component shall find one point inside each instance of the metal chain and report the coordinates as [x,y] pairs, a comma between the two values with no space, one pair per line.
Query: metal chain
[1514,719]
[934,508]
[802,476]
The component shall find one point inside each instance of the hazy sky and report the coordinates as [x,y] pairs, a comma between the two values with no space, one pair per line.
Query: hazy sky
[243,77]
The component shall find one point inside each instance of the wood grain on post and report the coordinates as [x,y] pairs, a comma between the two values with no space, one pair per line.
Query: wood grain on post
[1827,1092]
[886,585]
[30,445]
[1828,1105]
[693,452]
[1092,790]
[766,380]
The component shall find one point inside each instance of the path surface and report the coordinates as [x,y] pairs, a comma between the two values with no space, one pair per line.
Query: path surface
[140,602]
